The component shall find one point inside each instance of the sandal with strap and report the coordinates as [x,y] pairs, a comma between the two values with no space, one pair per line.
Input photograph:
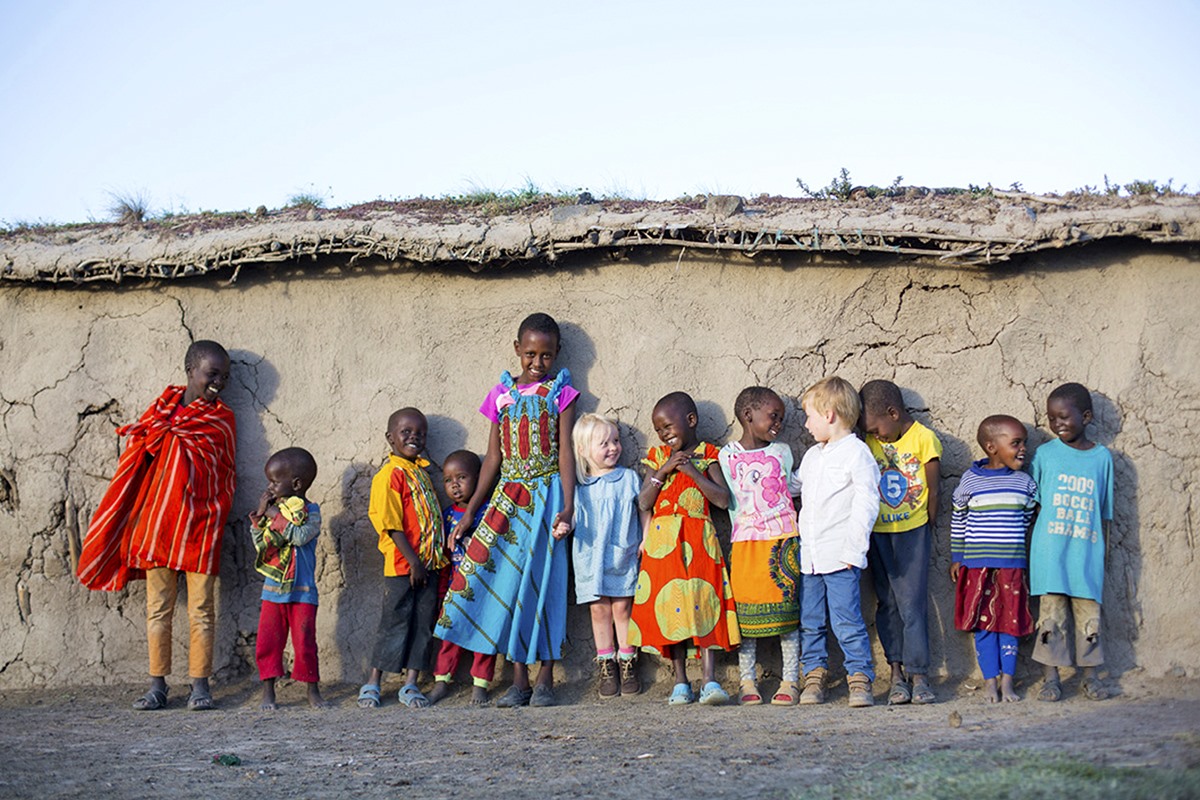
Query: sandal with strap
[368,696]
[788,694]
[711,694]
[152,700]
[1093,689]
[901,693]
[748,694]
[411,696]
[922,695]
[1051,691]
[200,702]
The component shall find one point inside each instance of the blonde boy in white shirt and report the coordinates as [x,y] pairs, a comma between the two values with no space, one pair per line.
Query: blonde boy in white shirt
[839,495]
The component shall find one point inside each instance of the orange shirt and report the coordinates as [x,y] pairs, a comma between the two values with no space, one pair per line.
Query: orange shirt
[403,499]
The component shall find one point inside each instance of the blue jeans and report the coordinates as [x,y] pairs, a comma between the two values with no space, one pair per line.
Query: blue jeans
[834,596]
[900,572]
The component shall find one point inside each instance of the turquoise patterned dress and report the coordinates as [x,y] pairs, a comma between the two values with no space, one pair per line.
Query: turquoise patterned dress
[509,594]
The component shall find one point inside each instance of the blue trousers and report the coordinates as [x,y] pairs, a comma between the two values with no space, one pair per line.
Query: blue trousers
[835,598]
[997,653]
[900,572]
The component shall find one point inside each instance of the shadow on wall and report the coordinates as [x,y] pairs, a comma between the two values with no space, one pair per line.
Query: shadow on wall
[350,550]
[253,383]
[1122,611]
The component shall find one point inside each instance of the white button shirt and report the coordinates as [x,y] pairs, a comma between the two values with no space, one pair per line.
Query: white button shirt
[839,497]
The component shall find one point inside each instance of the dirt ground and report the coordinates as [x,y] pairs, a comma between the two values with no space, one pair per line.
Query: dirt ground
[83,742]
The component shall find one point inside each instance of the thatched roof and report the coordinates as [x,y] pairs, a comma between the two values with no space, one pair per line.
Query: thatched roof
[954,229]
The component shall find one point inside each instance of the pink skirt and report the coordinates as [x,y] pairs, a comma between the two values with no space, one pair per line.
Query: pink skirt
[992,599]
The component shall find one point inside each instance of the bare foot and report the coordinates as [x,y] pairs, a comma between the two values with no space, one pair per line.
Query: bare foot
[440,690]
[268,695]
[314,697]
[479,696]
[1007,691]
[990,691]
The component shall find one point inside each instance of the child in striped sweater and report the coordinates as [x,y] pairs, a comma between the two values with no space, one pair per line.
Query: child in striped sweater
[993,507]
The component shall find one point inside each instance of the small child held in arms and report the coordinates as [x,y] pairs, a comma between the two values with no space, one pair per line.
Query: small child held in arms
[909,458]
[284,527]
[509,595]
[460,476]
[683,597]
[407,516]
[765,560]
[1066,555]
[605,549]
[993,506]
[839,501]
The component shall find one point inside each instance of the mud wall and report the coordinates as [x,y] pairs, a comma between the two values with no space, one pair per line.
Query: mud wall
[322,355]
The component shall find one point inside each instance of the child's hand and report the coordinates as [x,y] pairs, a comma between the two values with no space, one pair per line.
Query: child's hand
[563,522]
[678,460]
[417,574]
[954,568]
[264,502]
[460,530]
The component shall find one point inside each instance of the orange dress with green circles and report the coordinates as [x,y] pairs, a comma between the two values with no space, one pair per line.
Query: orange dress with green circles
[683,593]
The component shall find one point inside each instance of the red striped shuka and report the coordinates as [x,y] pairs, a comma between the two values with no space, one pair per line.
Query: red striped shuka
[167,503]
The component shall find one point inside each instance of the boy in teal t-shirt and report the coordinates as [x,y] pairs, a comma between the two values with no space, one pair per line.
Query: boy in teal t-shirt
[1066,553]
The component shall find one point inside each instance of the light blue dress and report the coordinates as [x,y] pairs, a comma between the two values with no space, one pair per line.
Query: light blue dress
[604,550]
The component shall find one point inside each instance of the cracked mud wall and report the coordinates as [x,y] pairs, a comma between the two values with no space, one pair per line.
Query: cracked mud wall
[321,357]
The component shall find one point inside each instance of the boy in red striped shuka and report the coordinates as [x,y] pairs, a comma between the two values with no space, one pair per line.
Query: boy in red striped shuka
[164,513]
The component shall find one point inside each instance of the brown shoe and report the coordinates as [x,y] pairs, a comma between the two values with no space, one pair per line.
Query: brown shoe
[860,690]
[608,684]
[814,687]
[629,679]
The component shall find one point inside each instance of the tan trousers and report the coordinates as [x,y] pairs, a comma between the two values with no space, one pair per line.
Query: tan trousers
[162,587]
[1055,617]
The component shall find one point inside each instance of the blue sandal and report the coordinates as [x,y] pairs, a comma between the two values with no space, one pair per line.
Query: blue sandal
[713,695]
[368,696]
[411,696]
[681,695]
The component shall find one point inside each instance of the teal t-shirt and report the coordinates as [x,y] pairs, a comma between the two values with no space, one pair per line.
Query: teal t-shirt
[1066,553]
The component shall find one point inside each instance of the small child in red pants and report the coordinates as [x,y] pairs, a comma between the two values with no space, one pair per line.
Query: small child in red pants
[460,474]
[285,527]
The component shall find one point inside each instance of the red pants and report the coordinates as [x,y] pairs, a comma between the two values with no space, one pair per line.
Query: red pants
[274,622]
[483,666]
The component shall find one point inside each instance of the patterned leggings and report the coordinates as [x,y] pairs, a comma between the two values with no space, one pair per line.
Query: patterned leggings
[789,645]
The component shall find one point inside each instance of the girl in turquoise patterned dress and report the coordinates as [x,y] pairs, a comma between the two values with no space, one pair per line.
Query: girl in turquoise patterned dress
[509,594]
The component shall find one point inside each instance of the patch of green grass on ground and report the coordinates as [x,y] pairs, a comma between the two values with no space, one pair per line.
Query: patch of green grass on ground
[1016,774]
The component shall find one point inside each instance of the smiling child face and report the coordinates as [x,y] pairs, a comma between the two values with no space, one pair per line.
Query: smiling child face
[207,378]
[537,351]
[675,427]
[407,434]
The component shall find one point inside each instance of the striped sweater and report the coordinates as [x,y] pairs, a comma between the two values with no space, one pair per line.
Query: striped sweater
[992,511]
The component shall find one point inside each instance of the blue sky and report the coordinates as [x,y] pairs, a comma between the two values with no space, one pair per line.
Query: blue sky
[228,105]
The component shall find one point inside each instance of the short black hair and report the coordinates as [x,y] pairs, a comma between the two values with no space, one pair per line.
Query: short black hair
[1077,393]
[992,425]
[401,412]
[752,397]
[542,323]
[681,401]
[201,349]
[879,395]
[300,462]
[468,458]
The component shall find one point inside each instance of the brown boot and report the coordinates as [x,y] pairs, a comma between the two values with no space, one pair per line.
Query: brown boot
[814,687]
[629,679]
[608,685]
[860,690]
